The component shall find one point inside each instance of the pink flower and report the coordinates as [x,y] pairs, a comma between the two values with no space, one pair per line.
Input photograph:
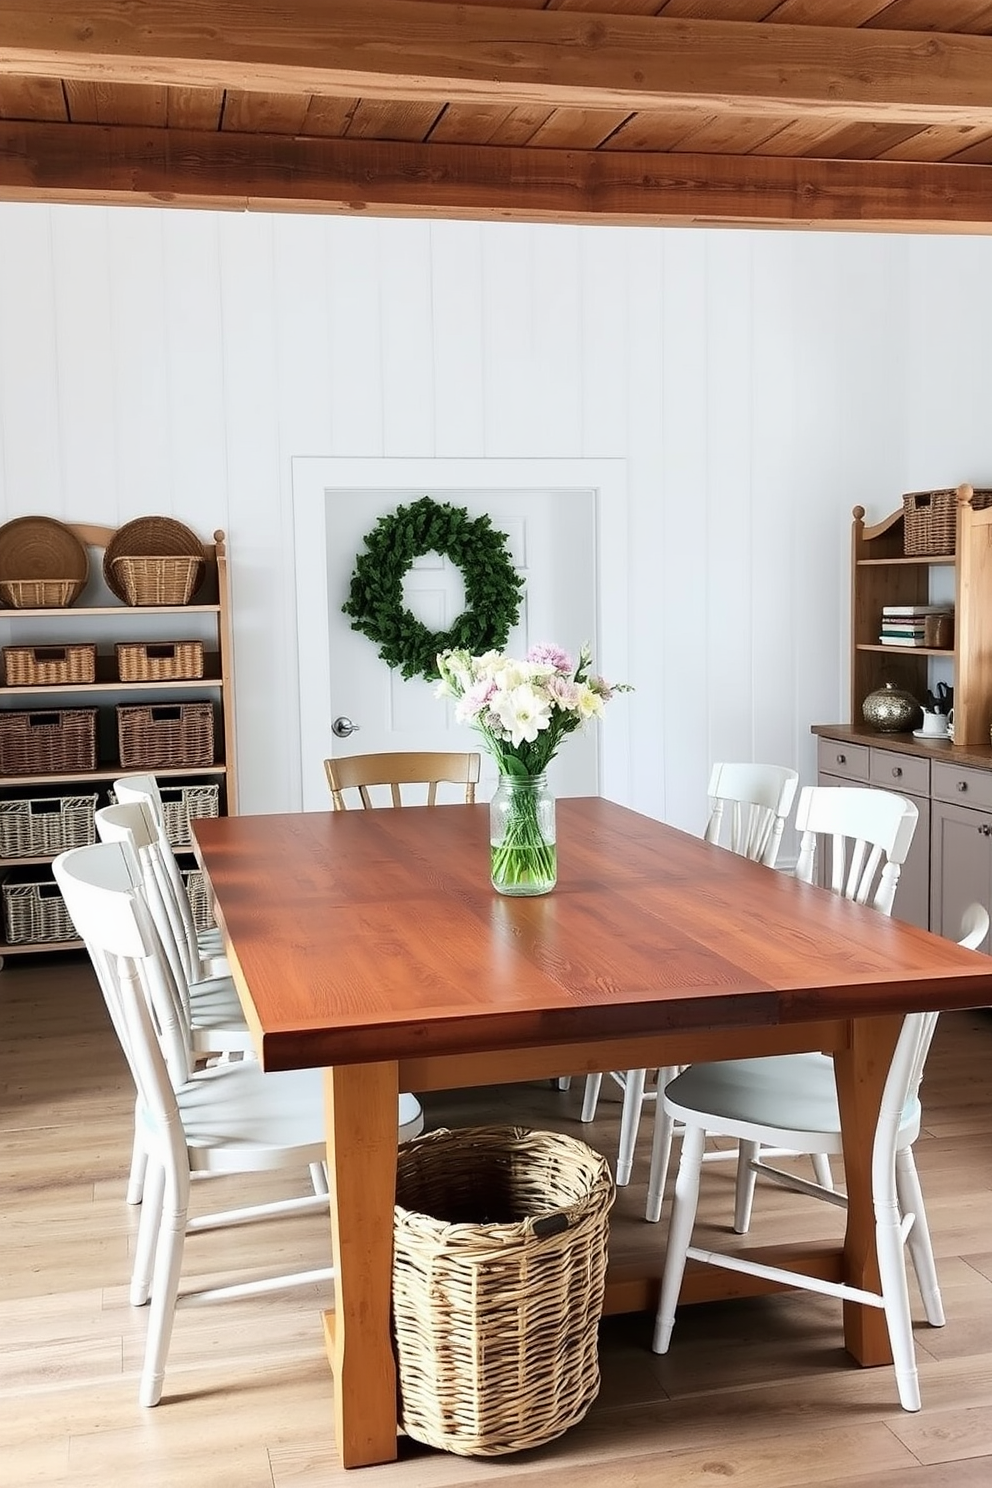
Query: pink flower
[553,656]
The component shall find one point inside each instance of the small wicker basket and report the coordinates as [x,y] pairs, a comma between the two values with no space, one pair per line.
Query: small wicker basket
[499,1268]
[48,666]
[158,581]
[48,743]
[34,912]
[199,903]
[161,734]
[159,661]
[46,825]
[40,594]
[930,521]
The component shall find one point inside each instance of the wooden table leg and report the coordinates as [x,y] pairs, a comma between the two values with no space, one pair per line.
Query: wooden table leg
[860,1072]
[361,1103]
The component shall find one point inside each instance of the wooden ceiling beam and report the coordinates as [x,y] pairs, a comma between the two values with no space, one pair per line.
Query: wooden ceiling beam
[145,166]
[418,49]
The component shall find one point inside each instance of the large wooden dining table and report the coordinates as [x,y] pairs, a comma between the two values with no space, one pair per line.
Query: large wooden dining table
[371,944]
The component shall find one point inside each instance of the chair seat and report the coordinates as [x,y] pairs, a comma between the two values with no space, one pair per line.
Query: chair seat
[235,1107]
[792,1097]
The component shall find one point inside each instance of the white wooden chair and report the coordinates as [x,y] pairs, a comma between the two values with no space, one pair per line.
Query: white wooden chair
[869,833]
[749,806]
[230,1119]
[202,950]
[363,772]
[790,1101]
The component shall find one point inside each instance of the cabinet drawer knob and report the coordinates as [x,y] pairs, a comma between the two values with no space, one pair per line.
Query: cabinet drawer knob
[985,829]
[842,759]
[962,785]
[896,771]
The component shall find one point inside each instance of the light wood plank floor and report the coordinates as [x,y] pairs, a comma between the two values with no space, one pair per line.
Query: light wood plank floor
[755,1392]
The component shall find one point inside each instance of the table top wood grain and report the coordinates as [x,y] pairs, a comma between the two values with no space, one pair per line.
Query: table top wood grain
[369,935]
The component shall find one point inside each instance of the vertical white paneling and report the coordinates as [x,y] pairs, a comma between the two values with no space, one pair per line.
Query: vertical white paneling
[457,310]
[355,336]
[604,327]
[194,357]
[139,365]
[85,372]
[732,537]
[405,329]
[32,455]
[754,387]
[682,604]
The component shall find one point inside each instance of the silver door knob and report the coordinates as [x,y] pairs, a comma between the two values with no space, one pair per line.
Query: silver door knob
[342,727]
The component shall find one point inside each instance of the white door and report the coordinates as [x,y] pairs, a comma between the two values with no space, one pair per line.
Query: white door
[551,541]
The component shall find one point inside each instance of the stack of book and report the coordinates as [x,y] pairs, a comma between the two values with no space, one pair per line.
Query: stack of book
[906,625]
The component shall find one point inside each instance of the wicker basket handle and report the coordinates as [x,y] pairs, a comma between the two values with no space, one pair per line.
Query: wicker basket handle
[550,1224]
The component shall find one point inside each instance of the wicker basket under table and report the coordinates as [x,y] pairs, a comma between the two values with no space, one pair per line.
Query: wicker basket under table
[499,1268]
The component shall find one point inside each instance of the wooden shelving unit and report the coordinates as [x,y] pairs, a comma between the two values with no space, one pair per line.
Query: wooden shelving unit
[883,575]
[99,618]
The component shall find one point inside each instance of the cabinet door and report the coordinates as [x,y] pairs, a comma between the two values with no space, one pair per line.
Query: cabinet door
[961,866]
[912,901]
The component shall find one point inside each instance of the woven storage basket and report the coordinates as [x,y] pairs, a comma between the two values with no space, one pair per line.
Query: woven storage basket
[157,581]
[39,594]
[499,1267]
[930,520]
[159,661]
[34,912]
[46,825]
[48,743]
[177,734]
[38,666]
[196,891]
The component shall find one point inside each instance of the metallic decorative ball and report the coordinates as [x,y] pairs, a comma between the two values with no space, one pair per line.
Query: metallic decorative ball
[891,710]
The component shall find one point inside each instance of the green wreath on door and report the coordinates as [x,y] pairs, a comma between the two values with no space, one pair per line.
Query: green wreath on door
[492,585]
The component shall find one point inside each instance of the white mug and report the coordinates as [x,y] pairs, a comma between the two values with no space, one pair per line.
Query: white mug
[935,725]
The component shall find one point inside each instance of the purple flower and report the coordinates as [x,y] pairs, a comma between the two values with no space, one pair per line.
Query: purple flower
[553,656]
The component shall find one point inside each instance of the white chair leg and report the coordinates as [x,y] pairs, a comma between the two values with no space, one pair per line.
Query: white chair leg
[590,1097]
[679,1234]
[318,1178]
[747,1153]
[821,1170]
[564,1082]
[139,1162]
[165,1288]
[895,1293]
[149,1226]
[918,1240]
[661,1148]
[630,1120]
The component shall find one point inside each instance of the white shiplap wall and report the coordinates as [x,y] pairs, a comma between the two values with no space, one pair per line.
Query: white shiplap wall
[756,384]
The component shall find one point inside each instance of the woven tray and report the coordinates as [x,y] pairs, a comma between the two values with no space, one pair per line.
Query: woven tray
[43,565]
[154,561]
[159,661]
[48,743]
[52,666]
[34,913]
[930,520]
[498,1276]
[153,736]
[43,826]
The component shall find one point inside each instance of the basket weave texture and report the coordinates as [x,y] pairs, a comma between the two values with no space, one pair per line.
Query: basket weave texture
[177,734]
[43,564]
[159,661]
[199,903]
[39,594]
[35,912]
[157,581]
[39,666]
[46,825]
[930,520]
[499,1268]
[48,743]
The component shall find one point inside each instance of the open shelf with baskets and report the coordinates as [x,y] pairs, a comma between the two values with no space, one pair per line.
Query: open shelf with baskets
[100,688]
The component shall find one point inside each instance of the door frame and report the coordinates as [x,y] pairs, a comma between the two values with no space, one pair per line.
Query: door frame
[318,480]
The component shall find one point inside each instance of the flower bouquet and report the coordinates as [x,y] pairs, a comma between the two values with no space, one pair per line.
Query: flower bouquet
[523,710]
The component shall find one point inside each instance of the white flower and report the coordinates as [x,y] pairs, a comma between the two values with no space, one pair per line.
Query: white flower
[589,704]
[523,712]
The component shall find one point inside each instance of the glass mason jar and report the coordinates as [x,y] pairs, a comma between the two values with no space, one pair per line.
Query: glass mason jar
[524,859]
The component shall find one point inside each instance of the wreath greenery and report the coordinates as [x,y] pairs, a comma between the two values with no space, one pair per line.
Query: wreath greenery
[492,585]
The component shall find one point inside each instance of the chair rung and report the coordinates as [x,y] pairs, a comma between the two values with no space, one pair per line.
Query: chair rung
[253,1288]
[786,1278]
[305,1204]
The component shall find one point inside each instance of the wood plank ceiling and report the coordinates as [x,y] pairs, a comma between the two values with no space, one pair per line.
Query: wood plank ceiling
[872,114]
